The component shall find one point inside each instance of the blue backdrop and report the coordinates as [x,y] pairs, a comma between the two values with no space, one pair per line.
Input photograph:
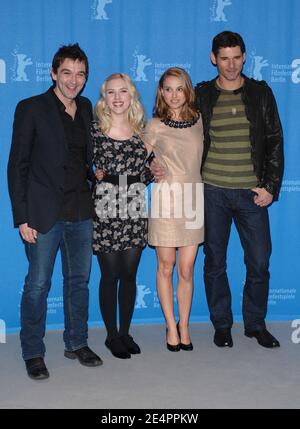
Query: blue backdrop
[143,38]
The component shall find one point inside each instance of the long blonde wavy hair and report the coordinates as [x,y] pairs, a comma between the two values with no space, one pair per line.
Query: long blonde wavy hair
[135,114]
[161,109]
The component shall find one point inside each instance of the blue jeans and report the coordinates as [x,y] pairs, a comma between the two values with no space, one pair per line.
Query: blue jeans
[74,239]
[223,205]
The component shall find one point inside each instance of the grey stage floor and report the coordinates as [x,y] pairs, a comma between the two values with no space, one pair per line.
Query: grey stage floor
[246,376]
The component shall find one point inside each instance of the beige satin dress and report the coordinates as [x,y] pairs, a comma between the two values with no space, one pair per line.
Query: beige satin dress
[177,209]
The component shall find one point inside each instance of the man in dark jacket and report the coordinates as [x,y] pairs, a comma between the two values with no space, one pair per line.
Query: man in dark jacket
[242,170]
[49,165]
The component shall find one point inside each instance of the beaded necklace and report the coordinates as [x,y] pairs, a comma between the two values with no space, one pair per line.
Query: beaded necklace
[179,124]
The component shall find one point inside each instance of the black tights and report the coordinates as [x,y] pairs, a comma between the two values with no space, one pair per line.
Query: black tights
[118,266]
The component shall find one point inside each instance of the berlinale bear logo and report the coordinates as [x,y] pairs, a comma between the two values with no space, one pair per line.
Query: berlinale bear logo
[21,62]
[99,9]
[140,63]
[259,63]
[142,290]
[218,10]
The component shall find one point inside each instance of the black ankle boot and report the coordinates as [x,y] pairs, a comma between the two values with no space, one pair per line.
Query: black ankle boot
[131,346]
[117,348]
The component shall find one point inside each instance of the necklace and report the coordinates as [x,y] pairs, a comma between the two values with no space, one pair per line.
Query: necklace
[179,124]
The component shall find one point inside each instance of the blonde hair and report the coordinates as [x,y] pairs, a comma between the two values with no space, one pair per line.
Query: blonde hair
[135,114]
[161,109]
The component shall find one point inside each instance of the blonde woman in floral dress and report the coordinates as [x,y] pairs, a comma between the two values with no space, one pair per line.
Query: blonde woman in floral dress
[120,225]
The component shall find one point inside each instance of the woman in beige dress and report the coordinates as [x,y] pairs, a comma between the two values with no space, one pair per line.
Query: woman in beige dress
[176,137]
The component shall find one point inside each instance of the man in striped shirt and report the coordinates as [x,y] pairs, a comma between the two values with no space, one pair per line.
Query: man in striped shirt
[242,170]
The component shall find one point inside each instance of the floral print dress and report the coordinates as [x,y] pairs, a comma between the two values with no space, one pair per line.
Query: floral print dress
[120,222]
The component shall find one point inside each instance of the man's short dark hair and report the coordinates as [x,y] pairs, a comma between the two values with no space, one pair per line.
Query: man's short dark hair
[227,39]
[73,52]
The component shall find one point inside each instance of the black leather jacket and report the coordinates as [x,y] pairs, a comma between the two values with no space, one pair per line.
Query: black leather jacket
[265,128]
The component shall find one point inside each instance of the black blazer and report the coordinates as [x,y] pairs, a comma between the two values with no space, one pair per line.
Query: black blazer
[37,160]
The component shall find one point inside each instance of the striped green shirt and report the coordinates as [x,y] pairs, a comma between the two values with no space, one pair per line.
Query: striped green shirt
[228,163]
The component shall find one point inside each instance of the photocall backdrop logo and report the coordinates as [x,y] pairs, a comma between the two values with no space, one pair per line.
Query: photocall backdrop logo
[217,10]
[142,291]
[277,296]
[273,72]
[290,185]
[21,62]
[296,70]
[98,8]
[140,63]
[54,304]
[257,64]
[295,337]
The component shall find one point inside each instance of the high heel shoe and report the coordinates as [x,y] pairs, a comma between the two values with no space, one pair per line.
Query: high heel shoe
[172,348]
[182,345]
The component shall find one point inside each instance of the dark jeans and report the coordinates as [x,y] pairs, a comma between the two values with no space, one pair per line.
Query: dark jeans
[252,222]
[74,239]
